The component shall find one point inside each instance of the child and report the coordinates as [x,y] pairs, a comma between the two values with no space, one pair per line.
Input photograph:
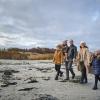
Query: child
[96,68]
[58,60]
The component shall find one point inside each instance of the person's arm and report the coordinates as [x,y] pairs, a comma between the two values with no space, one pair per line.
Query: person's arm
[66,53]
[75,52]
[66,56]
[62,58]
[88,57]
[54,57]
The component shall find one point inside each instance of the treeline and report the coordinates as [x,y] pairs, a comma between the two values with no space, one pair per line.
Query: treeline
[33,50]
[24,54]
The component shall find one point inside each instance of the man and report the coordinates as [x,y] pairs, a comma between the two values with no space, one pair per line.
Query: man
[71,54]
[65,47]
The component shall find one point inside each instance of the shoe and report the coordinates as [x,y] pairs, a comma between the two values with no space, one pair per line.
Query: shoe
[86,81]
[95,88]
[73,76]
[61,74]
[66,79]
[99,78]
[81,82]
[56,78]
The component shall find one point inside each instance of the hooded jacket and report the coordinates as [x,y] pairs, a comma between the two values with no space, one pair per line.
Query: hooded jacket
[58,56]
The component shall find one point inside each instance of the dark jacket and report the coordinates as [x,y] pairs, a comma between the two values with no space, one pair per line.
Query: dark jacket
[72,52]
[96,66]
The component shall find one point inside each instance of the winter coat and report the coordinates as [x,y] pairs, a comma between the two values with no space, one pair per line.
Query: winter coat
[72,52]
[96,65]
[58,57]
[84,56]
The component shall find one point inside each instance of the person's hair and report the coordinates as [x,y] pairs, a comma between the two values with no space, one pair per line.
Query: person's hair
[59,46]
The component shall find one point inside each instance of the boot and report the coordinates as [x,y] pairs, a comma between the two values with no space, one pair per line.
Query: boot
[73,76]
[56,78]
[95,87]
[96,82]
[61,74]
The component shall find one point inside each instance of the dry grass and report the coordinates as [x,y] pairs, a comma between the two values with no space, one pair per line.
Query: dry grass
[37,56]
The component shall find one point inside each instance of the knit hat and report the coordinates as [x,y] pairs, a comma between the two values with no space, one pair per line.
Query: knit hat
[82,42]
[59,46]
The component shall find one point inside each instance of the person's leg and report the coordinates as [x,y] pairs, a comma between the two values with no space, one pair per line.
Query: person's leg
[99,77]
[67,70]
[82,76]
[56,68]
[85,75]
[82,72]
[96,82]
[71,69]
[59,72]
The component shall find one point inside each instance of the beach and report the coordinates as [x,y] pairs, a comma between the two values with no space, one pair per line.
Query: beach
[34,80]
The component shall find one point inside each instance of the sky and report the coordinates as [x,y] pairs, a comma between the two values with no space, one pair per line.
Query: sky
[46,23]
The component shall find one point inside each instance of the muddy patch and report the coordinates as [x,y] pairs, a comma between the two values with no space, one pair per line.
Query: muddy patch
[76,80]
[27,89]
[8,72]
[44,70]
[46,78]
[7,84]
[32,80]
[45,97]
[7,78]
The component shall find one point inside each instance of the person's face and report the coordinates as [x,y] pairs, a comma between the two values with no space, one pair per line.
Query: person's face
[82,45]
[95,53]
[71,42]
[68,43]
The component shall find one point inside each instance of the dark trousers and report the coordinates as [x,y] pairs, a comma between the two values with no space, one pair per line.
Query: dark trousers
[97,78]
[68,65]
[57,68]
[83,73]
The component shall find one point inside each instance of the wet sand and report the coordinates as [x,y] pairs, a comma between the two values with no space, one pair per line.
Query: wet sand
[34,80]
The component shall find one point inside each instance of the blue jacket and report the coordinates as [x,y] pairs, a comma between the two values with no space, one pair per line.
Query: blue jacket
[96,66]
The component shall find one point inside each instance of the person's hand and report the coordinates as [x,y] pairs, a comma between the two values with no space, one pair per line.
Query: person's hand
[74,60]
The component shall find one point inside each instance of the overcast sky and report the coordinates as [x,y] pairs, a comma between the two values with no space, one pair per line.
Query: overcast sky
[44,23]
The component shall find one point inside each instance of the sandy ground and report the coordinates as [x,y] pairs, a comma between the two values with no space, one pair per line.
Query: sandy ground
[34,80]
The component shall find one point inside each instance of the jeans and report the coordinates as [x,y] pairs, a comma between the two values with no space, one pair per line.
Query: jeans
[68,65]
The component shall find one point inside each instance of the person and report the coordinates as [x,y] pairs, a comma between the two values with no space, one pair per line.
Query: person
[71,53]
[64,49]
[96,68]
[58,60]
[83,61]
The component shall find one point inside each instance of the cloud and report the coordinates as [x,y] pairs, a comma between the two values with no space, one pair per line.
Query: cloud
[31,23]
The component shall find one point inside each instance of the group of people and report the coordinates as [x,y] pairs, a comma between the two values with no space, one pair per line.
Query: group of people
[86,62]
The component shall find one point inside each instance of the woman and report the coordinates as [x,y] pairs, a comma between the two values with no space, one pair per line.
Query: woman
[83,61]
